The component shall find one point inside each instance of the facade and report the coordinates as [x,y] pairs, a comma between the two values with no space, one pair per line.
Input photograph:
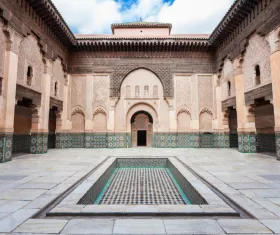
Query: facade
[140,86]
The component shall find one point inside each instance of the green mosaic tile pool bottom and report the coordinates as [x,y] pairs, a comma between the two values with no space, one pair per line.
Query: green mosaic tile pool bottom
[142,186]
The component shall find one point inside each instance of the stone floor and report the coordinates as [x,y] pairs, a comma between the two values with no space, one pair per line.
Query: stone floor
[30,182]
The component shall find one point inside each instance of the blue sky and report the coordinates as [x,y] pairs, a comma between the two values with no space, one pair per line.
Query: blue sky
[187,16]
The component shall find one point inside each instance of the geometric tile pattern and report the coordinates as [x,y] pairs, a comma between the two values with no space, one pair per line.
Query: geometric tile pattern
[96,140]
[247,143]
[77,140]
[188,140]
[39,143]
[142,186]
[165,140]
[6,143]
[118,140]
[277,140]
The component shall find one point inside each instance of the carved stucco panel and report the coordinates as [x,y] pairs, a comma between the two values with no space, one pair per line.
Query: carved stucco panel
[257,53]
[227,75]
[2,49]
[183,92]
[30,55]
[205,91]
[78,91]
[162,72]
[101,92]
[57,76]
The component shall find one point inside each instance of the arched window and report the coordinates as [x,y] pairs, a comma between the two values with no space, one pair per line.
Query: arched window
[1,82]
[155,91]
[146,90]
[137,91]
[229,88]
[128,91]
[29,75]
[257,75]
[55,89]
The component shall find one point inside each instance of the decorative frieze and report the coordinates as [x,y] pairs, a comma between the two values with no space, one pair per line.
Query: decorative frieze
[6,143]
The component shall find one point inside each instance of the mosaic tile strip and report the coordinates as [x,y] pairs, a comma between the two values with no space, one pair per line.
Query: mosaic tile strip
[266,143]
[188,140]
[39,143]
[247,143]
[142,186]
[77,140]
[277,140]
[6,143]
[96,140]
[119,140]
[221,140]
[21,143]
[141,162]
[165,140]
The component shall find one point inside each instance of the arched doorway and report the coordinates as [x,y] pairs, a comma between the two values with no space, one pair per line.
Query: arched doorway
[141,129]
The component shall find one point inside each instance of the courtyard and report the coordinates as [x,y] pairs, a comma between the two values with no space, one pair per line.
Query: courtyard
[33,185]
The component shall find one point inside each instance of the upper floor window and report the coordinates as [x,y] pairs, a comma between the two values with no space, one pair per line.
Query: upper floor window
[229,88]
[137,91]
[128,91]
[29,75]
[155,91]
[257,75]
[1,85]
[55,89]
[146,90]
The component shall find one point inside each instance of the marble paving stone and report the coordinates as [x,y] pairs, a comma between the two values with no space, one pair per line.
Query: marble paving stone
[89,226]
[104,208]
[12,206]
[273,225]
[70,209]
[180,208]
[3,215]
[40,202]
[37,185]
[139,226]
[275,200]
[22,194]
[192,226]
[271,177]
[12,177]
[217,209]
[41,226]
[248,185]
[141,208]
[243,226]
[12,221]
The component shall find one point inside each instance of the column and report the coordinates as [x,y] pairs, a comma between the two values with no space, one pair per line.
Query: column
[245,114]
[40,115]
[9,93]
[89,112]
[221,139]
[275,76]
[63,124]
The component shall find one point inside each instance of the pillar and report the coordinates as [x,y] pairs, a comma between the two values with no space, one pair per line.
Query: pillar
[221,139]
[9,93]
[40,115]
[245,114]
[89,112]
[275,76]
[63,124]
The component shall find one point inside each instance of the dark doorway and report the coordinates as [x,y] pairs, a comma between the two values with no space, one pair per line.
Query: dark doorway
[52,128]
[141,138]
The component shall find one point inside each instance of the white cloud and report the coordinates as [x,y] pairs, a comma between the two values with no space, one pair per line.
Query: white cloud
[187,16]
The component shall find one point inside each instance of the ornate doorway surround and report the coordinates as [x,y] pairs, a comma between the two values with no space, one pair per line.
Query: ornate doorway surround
[142,129]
